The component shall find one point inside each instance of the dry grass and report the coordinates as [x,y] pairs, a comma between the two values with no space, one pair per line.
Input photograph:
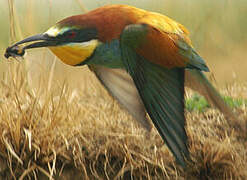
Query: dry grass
[69,133]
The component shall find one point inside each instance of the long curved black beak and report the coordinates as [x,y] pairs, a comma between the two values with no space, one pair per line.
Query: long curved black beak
[40,40]
[37,37]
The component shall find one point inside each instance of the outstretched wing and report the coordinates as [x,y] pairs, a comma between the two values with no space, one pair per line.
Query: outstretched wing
[161,90]
[121,86]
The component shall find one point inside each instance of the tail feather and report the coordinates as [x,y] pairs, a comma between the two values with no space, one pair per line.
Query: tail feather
[197,81]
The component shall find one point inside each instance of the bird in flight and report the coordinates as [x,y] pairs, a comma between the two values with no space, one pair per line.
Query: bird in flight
[142,58]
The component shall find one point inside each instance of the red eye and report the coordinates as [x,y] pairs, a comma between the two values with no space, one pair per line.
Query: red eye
[72,34]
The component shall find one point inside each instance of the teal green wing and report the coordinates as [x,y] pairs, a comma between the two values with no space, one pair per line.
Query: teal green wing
[162,92]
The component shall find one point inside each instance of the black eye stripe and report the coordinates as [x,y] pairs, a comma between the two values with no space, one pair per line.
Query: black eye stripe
[78,35]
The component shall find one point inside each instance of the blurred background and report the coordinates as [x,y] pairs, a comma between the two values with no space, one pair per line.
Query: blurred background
[218,32]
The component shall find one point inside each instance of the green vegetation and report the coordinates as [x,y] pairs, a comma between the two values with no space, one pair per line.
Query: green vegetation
[196,103]
[235,103]
[199,103]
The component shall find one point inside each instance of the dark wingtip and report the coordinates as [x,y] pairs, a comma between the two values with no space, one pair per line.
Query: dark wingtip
[181,163]
[183,159]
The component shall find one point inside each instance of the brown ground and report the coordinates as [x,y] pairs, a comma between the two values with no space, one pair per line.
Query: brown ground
[59,132]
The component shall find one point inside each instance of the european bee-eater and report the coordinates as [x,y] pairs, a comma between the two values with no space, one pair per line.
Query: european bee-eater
[142,58]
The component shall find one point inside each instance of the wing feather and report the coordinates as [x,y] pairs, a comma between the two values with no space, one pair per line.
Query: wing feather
[121,86]
[162,93]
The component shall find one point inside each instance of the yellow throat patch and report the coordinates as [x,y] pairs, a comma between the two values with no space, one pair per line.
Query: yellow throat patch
[75,53]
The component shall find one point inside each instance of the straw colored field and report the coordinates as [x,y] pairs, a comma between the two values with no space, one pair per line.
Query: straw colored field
[58,122]
[60,132]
